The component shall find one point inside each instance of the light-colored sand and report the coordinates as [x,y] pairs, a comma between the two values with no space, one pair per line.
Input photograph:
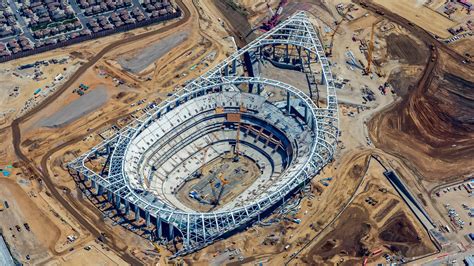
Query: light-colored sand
[420,15]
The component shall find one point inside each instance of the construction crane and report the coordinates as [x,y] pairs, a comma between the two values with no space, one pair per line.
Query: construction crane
[338,24]
[370,50]
[237,140]
[223,183]
[275,16]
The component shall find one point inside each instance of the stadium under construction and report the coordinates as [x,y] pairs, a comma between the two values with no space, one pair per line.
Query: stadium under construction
[226,149]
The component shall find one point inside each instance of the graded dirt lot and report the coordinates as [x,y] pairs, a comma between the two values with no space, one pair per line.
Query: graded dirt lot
[424,17]
[76,109]
[44,233]
[377,218]
[429,124]
[141,59]
[402,47]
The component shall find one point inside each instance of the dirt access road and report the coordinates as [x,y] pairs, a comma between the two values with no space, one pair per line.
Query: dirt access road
[42,171]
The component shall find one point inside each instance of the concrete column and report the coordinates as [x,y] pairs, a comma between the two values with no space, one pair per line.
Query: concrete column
[117,202]
[306,114]
[226,70]
[137,213]
[323,80]
[259,88]
[147,218]
[127,207]
[94,186]
[159,232]
[171,231]
[234,66]
[100,189]
[288,106]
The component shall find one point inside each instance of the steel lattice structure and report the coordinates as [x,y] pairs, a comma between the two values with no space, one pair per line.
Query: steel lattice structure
[200,229]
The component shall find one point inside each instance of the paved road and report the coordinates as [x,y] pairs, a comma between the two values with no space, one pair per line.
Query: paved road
[43,172]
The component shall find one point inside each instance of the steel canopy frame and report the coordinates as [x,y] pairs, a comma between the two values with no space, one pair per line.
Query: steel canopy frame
[201,229]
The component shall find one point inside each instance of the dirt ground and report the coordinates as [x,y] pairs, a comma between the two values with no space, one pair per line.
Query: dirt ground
[426,18]
[237,175]
[441,151]
[400,47]
[363,227]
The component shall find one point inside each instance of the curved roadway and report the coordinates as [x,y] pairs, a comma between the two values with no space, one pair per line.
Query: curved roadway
[43,172]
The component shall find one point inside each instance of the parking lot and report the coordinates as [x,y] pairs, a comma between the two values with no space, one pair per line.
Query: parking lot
[456,202]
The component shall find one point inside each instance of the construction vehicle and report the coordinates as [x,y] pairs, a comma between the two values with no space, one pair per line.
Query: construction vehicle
[157,248]
[275,16]
[370,50]
[222,185]
[338,24]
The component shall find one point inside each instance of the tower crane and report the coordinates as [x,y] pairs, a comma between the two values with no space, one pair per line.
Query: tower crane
[370,50]
[338,24]
[237,140]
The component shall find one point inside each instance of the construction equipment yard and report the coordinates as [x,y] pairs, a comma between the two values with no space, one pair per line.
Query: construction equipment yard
[215,120]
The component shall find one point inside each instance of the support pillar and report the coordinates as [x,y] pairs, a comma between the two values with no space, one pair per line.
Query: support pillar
[306,114]
[259,88]
[171,231]
[147,218]
[117,202]
[100,189]
[288,106]
[94,186]
[137,213]
[159,232]
[226,70]
[234,66]
[127,207]
[323,80]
